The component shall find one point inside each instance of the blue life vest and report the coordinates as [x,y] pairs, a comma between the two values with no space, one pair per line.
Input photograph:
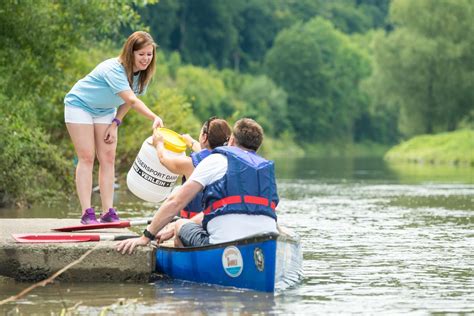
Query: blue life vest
[199,156]
[248,187]
[195,206]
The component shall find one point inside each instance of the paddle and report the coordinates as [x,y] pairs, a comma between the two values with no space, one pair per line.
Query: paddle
[54,238]
[121,224]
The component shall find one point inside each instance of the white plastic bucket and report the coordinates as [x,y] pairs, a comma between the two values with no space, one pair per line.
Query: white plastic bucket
[148,179]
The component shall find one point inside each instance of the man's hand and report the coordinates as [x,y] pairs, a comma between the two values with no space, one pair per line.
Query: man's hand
[166,233]
[110,136]
[129,245]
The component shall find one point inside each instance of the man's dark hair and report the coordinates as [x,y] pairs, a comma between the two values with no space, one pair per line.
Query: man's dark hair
[248,134]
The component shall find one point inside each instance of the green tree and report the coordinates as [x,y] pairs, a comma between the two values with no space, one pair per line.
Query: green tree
[349,16]
[375,10]
[203,31]
[237,34]
[258,23]
[205,91]
[266,103]
[320,69]
[163,19]
[377,122]
[424,67]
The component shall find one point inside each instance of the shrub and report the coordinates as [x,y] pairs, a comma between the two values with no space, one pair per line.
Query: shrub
[32,169]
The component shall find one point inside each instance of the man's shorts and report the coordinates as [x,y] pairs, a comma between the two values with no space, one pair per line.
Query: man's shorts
[193,235]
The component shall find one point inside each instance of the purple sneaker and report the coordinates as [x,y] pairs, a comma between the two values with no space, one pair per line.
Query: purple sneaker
[88,217]
[110,216]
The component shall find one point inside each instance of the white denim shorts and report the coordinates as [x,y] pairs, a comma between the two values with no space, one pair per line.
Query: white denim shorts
[75,115]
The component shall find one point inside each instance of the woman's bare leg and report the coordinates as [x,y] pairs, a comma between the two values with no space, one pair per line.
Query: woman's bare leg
[82,136]
[106,157]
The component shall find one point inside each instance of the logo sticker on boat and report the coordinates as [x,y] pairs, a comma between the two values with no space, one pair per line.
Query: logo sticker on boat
[259,259]
[232,261]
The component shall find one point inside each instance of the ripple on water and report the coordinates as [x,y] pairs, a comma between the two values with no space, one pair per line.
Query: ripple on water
[366,242]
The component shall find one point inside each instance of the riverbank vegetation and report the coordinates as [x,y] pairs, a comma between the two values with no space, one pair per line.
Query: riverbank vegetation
[451,148]
[321,77]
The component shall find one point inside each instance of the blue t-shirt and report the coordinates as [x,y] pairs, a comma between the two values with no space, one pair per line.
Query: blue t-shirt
[97,93]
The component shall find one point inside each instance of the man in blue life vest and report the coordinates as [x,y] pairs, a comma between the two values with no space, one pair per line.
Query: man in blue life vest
[239,195]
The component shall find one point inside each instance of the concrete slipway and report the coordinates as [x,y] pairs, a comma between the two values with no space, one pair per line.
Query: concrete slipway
[34,262]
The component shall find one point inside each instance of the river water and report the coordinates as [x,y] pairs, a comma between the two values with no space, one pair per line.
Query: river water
[376,238]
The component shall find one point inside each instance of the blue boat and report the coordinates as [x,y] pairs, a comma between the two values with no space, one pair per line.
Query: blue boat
[266,262]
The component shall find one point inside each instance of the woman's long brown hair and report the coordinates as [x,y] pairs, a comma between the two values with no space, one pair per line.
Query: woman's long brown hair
[137,41]
[218,132]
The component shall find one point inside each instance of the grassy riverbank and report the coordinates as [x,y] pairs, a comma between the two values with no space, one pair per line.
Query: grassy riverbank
[454,148]
[287,147]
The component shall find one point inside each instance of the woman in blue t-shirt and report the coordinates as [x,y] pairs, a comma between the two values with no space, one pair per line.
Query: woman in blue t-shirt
[96,106]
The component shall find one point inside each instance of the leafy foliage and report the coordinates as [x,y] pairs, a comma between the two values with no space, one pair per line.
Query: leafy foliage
[266,103]
[238,34]
[424,67]
[321,70]
[32,168]
[206,91]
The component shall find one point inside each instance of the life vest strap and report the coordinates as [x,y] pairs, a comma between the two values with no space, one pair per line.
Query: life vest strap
[187,214]
[237,199]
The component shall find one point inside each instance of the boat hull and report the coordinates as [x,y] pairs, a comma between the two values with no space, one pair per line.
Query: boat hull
[250,263]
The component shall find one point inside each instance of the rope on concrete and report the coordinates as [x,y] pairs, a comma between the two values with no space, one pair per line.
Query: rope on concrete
[48,280]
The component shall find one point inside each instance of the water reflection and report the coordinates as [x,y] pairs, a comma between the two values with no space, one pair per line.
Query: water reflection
[368,169]
[211,299]
[162,297]
[333,169]
[416,173]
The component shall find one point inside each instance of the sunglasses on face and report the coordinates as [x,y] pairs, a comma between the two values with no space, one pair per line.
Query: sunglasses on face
[208,124]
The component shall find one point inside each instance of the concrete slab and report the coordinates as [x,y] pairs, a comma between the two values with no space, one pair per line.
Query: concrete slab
[34,262]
